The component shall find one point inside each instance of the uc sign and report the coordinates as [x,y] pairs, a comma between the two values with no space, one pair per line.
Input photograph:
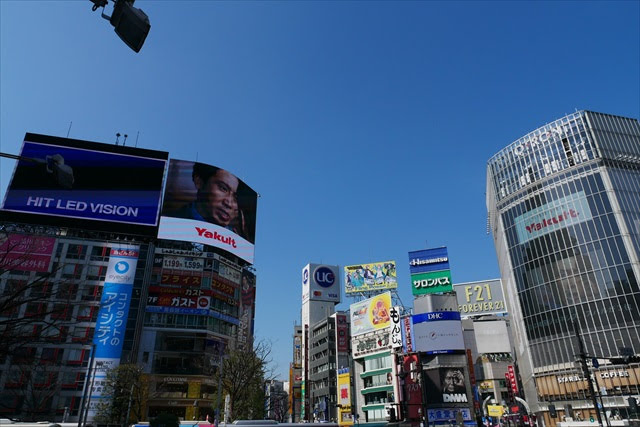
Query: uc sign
[324,277]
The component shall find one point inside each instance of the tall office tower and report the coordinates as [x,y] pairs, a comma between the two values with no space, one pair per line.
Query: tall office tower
[564,209]
[320,294]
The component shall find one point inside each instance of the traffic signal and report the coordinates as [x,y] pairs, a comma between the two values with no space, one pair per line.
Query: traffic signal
[624,360]
[552,411]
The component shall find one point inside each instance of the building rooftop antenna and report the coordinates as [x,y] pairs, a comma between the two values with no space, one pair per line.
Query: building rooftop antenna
[137,136]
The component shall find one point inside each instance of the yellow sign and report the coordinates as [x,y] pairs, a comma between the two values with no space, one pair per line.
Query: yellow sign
[344,399]
[495,410]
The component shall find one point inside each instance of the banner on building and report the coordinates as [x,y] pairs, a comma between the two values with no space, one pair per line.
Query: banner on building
[108,338]
[26,252]
[345,417]
[446,385]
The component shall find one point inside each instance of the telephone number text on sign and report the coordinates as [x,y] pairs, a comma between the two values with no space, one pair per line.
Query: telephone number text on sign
[183,263]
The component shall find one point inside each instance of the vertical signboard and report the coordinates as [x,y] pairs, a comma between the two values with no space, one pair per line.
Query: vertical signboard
[342,333]
[513,382]
[407,334]
[429,269]
[247,310]
[108,337]
[345,417]
[396,332]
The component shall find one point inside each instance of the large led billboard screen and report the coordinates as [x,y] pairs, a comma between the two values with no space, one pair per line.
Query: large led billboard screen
[370,277]
[84,184]
[209,205]
[371,314]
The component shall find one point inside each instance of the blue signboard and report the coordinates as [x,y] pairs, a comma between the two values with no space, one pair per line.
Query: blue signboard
[427,260]
[86,181]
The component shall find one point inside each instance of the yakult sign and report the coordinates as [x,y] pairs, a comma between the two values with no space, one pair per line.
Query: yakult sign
[553,216]
[320,283]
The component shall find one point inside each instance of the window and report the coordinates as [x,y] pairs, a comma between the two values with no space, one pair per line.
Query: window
[96,272]
[100,253]
[76,251]
[72,271]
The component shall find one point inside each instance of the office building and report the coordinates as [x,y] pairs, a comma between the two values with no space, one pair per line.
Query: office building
[564,209]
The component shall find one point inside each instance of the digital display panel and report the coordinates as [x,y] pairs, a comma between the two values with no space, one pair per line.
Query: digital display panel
[209,205]
[84,184]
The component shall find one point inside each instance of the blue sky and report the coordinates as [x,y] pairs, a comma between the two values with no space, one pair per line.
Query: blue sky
[364,126]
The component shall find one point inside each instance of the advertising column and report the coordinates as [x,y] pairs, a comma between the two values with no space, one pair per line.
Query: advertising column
[108,337]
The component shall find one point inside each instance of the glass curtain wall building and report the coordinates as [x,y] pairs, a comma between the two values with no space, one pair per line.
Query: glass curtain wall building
[564,208]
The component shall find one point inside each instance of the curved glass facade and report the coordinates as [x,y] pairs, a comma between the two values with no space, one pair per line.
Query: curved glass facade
[564,206]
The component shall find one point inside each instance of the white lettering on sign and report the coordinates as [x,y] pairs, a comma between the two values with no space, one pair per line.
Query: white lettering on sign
[438,281]
[417,261]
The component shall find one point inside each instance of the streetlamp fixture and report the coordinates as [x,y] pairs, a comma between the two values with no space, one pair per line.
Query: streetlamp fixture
[130,23]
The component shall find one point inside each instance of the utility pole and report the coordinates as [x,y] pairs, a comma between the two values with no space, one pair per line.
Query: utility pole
[586,373]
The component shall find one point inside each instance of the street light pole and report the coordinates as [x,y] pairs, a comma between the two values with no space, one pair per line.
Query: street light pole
[586,373]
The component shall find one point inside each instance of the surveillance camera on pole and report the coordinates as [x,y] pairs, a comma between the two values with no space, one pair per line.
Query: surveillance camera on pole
[130,23]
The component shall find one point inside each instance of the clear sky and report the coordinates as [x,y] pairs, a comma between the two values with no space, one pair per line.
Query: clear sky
[364,126]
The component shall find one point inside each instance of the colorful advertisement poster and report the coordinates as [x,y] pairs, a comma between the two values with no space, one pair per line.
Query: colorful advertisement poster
[345,417]
[446,385]
[111,322]
[371,314]
[438,332]
[209,205]
[431,282]
[427,260]
[26,253]
[556,214]
[81,180]
[478,298]
[370,277]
